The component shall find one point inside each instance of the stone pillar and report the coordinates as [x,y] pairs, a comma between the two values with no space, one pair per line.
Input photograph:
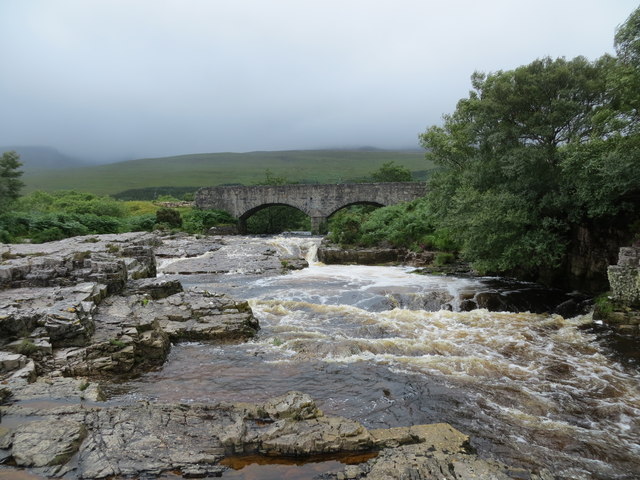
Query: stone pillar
[316,223]
[624,277]
[242,226]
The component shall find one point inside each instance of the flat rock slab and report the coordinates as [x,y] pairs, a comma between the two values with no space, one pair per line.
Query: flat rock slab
[47,443]
[229,255]
[144,440]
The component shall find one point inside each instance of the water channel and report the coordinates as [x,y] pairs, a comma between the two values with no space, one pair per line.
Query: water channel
[532,390]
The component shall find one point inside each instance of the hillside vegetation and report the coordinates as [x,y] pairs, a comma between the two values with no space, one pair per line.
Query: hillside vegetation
[211,169]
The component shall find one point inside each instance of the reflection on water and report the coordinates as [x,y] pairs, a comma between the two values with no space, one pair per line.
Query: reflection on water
[532,390]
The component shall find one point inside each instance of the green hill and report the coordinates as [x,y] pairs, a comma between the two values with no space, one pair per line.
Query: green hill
[210,169]
[35,158]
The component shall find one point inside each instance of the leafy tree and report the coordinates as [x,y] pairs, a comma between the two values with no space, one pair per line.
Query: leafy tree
[10,183]
[390,172]
[627,40]
[406,225]
[530,152]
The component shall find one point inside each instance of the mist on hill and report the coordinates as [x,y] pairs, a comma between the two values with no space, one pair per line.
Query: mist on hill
[113,80]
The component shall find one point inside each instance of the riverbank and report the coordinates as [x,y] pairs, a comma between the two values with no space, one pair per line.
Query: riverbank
[81,313]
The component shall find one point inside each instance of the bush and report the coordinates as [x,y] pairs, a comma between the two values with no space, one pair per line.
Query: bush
[99,224]
[198,221]
[5,236]
[87,203]
[48,235]
[404,226]
[444,258]
[140,223]
[169,217]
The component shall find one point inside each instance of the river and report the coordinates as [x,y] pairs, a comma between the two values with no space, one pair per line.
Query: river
[532,390]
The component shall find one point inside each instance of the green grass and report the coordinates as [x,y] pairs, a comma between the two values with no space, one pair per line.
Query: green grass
[211,169]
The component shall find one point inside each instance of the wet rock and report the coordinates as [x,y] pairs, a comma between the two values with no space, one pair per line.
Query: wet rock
[514,296]
[411,462]
[106,259]
[361,256]
[182,245]
[223,230]
[430,301]
[12,361]
[193,255]
[16,323]
[155,288]
[58,390]
[146,439]
[64,313]
[292,405]
[195,315]
[437,436]
[293,263]
[426,461]
[5,393]
[314,436]
[467,305]
[134,332]
[46,443]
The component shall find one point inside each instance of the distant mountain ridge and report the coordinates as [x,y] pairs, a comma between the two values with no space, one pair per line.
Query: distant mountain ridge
[211,169]
[36,158]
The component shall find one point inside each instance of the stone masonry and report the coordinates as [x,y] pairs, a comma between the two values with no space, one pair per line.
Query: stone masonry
[317,201]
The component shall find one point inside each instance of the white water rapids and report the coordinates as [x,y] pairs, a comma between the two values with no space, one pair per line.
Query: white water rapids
[538,391]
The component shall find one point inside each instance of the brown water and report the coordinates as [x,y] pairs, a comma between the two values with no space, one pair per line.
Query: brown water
[538,391]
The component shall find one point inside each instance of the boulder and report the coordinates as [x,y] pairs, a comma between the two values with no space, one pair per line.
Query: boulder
[10,362]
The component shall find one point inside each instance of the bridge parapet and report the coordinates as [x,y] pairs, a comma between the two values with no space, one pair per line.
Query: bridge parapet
[317,201]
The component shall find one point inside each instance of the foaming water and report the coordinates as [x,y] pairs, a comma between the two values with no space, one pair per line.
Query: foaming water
[532,390]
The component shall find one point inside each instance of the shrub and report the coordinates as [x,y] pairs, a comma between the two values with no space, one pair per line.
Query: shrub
[5,236]
[198,221]
[27,347]
[444,258]
[169,217]
[99,224]
[48,235]
[140,223]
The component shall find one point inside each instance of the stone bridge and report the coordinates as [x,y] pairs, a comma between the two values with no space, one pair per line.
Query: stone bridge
[317,201]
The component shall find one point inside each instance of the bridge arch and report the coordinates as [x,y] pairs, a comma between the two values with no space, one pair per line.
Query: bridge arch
[243,220]
[317,201]
[352,204]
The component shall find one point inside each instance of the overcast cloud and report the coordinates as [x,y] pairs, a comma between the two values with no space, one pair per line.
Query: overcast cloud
[138,78]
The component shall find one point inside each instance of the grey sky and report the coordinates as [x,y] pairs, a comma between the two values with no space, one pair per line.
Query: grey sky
[134,78]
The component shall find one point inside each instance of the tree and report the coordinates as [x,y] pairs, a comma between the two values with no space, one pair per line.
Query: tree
[10,183]
[390,172]
[627,40]
[505,196]
[625,77]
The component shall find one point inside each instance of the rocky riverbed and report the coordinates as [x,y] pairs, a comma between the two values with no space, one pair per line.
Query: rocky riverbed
[82,313]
